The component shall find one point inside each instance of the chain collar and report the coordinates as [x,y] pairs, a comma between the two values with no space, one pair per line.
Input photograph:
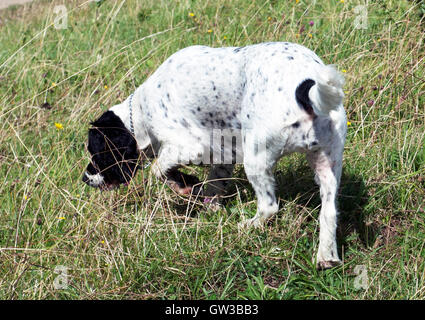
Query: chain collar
[132,124]
[131,114]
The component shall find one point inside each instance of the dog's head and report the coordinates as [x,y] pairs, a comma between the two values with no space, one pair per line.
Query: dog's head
[114,153]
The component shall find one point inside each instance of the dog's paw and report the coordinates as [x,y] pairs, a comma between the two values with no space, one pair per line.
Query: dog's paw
[213,204]
[183,184]
[327,264]
[181,190]
[251,223]
[327,257]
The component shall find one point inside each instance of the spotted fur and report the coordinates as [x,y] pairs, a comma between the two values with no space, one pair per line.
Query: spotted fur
[248,105]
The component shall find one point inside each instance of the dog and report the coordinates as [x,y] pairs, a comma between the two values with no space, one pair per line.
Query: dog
[271,99]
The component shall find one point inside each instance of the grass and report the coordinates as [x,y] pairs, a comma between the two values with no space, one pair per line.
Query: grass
[144,242]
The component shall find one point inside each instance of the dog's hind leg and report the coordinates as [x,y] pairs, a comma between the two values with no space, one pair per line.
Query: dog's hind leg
[327,166]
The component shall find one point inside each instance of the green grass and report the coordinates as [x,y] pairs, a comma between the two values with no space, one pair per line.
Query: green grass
[144,242]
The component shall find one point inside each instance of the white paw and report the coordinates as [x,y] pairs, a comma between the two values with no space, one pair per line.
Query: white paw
[327,259]
[251,223]
[323,265]
[213,204]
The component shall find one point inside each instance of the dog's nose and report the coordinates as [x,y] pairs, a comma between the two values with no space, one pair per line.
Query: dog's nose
[85,178]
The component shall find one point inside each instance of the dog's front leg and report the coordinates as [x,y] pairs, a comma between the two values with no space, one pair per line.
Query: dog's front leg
[218,182]
[166,167]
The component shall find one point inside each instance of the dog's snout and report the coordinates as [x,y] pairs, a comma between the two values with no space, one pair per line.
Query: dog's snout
[93,180]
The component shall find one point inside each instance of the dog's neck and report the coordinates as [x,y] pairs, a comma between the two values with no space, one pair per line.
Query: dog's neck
[122,110]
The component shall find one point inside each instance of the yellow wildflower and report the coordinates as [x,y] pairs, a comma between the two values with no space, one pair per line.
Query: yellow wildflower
[58,125]
[106,87]
[343,70]
[61,218]
[348,123]
[310,35]
[209,31]
[53,84]
[191,14]
[224,38]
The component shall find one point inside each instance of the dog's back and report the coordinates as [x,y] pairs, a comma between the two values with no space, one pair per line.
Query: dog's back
[199,88]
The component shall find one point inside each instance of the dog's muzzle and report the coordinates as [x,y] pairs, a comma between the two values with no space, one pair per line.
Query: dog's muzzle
[97,181]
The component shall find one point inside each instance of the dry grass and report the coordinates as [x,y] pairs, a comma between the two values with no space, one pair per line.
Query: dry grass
[145,242]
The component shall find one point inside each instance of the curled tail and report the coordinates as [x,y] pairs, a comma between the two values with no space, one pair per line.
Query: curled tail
[324,94]
[327,94]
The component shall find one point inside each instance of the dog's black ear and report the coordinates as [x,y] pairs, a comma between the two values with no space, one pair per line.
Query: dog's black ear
[107,119]
[96,122]
[113,148]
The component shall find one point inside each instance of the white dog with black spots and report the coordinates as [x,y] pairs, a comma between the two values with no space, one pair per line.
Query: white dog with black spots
[221,106]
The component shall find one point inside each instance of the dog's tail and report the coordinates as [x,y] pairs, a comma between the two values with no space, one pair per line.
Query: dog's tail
[326,94]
